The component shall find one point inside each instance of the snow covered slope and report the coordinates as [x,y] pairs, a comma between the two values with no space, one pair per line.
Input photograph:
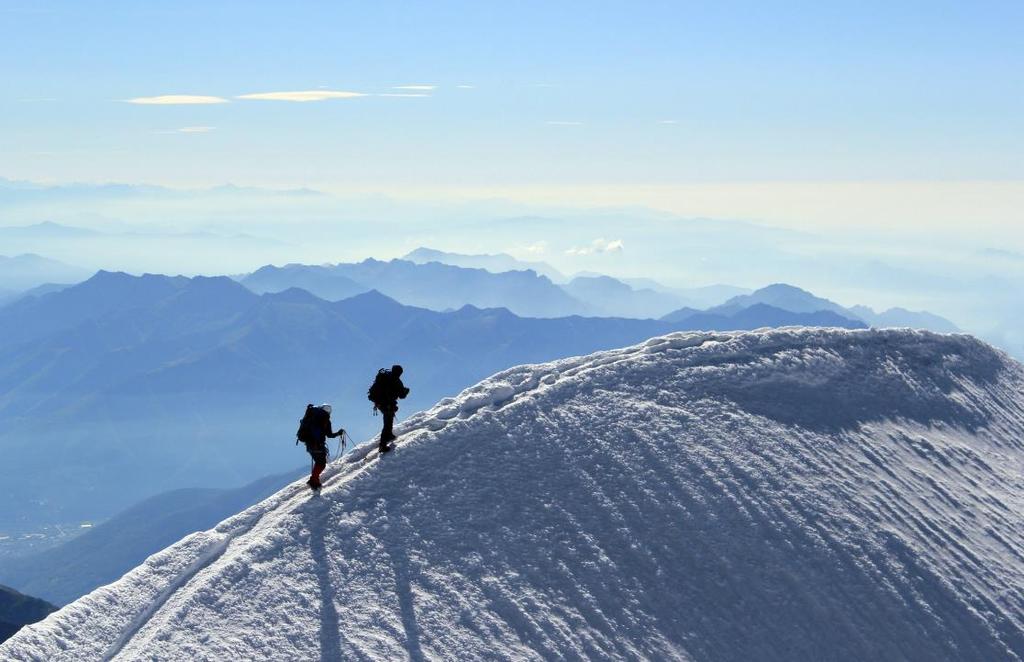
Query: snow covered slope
[783,495]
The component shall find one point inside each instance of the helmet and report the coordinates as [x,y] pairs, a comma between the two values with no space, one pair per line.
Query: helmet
[396,370]
[326,407]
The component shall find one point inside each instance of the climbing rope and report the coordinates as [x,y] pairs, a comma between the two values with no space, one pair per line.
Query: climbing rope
[341,443]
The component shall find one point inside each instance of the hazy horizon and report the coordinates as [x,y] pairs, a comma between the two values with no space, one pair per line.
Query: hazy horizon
[874,115]
[868,153]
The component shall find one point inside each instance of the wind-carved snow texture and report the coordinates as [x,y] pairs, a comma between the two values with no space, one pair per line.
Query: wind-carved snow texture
[781,495]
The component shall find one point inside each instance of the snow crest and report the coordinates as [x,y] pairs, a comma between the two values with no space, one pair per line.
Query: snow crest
[777,495]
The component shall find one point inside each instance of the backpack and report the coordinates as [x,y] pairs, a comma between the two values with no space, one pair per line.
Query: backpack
[378,391]
[311,425]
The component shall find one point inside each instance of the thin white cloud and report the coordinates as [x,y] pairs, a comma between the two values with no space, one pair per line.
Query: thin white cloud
[466,87]
[425,88]
[302,96]
[563,123]
[188,129]
[668,121]
[597,247]
[176,100]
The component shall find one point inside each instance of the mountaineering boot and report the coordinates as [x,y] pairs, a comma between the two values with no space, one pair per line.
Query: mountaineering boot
[314,484]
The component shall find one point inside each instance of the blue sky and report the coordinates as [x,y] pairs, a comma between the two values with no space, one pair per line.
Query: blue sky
[619,103]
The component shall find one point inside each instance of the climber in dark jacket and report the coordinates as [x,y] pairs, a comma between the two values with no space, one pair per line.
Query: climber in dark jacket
[316,429]
[388,389]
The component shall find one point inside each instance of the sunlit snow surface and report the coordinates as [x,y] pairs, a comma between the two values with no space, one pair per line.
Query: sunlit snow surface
[782,495]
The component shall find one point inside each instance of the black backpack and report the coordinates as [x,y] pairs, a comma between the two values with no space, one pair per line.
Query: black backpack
[311,425]
[378,391]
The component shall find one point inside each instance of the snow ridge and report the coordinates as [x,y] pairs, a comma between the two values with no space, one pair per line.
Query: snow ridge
[785,494]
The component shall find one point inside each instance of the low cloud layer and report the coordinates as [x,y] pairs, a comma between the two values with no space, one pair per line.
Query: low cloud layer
[302,96]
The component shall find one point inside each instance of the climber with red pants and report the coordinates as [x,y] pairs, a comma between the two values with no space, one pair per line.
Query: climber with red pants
[314,429]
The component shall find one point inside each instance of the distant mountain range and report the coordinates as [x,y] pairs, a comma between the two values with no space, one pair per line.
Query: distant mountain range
[11,297]
[816,310]
[438,284]
[896,317]
[323,281]
[204,379]
[604,295]
[495,263]
[430,285]
[433,282]
[760,315]
[600,294]
[22,272]
[441,286]
[17,610]
[781,296]
[695,297]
